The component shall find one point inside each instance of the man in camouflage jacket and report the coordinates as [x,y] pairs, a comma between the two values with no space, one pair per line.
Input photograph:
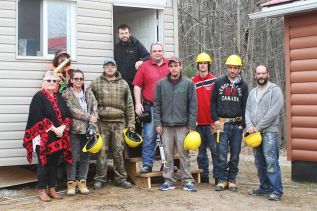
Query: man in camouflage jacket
[116,111]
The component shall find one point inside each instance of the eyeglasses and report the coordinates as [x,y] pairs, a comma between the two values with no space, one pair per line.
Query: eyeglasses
[78,79]
[51,81]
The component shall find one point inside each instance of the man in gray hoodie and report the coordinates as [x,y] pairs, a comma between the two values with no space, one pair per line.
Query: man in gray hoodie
[262,114]
[175,111]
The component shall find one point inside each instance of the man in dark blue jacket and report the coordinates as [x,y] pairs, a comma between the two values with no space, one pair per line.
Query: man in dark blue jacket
[228,104]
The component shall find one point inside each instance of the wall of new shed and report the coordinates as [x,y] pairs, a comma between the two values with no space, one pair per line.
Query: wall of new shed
[301,79]
[20,78]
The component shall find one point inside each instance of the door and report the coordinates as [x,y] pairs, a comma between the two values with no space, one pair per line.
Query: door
[143,23]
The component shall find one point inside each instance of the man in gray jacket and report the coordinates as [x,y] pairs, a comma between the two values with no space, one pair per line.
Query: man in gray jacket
[175,110]
[262,114]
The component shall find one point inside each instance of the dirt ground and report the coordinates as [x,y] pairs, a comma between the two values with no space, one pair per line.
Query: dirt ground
[297,196]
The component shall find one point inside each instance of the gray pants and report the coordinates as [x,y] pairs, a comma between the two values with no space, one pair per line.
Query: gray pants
[79,157]
[175,136]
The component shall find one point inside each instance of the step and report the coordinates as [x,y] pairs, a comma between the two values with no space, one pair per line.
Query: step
[145,180]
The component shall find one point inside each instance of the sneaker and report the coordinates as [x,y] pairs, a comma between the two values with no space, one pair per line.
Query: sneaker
[98,184]
[258,192]
[146,169]
[221,186]
[233,186]
[189,186]
[167,186]
[123,183]
[274,197]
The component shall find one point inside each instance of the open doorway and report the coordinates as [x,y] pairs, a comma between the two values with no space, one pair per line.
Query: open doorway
[144,23]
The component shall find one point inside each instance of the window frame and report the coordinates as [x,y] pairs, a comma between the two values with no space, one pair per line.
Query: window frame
[71,31]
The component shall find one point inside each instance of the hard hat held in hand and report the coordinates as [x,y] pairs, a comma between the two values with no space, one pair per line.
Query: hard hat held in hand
[132,139]
[203,57]
[192,141]
[94,140]
[252,140]
[234,60]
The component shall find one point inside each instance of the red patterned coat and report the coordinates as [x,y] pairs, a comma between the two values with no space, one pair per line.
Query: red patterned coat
[46,111]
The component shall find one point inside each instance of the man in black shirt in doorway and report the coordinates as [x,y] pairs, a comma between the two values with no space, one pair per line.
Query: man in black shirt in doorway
[129,54]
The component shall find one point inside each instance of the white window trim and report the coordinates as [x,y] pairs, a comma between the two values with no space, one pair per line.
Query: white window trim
[71,39]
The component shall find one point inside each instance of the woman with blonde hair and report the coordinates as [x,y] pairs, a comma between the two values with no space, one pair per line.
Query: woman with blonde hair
[47,134]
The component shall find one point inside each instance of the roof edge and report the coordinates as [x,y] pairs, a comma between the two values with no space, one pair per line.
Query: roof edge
[285,9]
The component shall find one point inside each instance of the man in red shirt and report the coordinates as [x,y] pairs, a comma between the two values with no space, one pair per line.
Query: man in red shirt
[204,83]
[144,83]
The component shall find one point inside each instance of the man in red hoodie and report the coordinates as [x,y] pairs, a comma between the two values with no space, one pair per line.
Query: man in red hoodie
[204,83]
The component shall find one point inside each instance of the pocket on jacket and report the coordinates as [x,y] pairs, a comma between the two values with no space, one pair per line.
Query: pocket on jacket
[111,113]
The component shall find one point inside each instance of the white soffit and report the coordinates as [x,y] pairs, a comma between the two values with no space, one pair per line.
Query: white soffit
[285,9]
[151,4]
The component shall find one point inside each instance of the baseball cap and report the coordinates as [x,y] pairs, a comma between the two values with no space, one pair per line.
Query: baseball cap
[60,52]
[109,60]
[174,59]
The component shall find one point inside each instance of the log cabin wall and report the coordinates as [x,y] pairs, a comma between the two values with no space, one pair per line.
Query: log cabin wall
[301,86]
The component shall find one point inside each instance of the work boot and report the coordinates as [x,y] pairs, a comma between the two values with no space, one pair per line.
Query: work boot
[43,195]
[53,194]
[123,183]
[98,184]
[146,169]
[221,186]
[71,188]
[82,187]
[233,186]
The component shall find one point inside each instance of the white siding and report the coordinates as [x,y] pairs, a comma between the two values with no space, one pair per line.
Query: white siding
[20,78]
[170,32]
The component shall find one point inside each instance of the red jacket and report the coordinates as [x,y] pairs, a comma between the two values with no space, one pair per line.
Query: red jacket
[204,88]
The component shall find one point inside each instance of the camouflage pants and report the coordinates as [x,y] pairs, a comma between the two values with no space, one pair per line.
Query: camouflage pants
[112,136]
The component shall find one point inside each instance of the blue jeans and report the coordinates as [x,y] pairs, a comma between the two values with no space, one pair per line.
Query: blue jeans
[207,141]
[79,157]
[266,161]
[149,141]
[230,141]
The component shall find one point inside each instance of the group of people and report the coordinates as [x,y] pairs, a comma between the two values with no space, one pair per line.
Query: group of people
[138,81]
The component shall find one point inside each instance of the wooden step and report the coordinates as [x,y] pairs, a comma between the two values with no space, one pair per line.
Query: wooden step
[145,180]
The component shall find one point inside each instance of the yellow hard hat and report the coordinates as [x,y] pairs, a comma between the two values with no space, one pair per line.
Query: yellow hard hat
[252,140]
[234,60]
[203,57]
[132,138]
[94,144]
[192,141]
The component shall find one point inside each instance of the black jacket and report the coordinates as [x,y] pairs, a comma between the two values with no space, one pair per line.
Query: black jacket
[229,100]
[126,55]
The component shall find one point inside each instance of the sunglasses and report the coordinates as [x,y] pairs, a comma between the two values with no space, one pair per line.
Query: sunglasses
[51,81]
[78,79]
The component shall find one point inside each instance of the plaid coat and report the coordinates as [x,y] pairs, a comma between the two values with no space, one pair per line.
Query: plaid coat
[80,117]
[114,100]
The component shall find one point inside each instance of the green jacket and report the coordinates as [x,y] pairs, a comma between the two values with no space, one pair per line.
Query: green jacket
[114,100]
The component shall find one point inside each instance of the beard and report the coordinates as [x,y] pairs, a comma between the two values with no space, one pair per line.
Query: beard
[125,41]
[262,81]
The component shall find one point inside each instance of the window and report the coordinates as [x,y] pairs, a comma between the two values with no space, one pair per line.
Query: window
[45,26]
